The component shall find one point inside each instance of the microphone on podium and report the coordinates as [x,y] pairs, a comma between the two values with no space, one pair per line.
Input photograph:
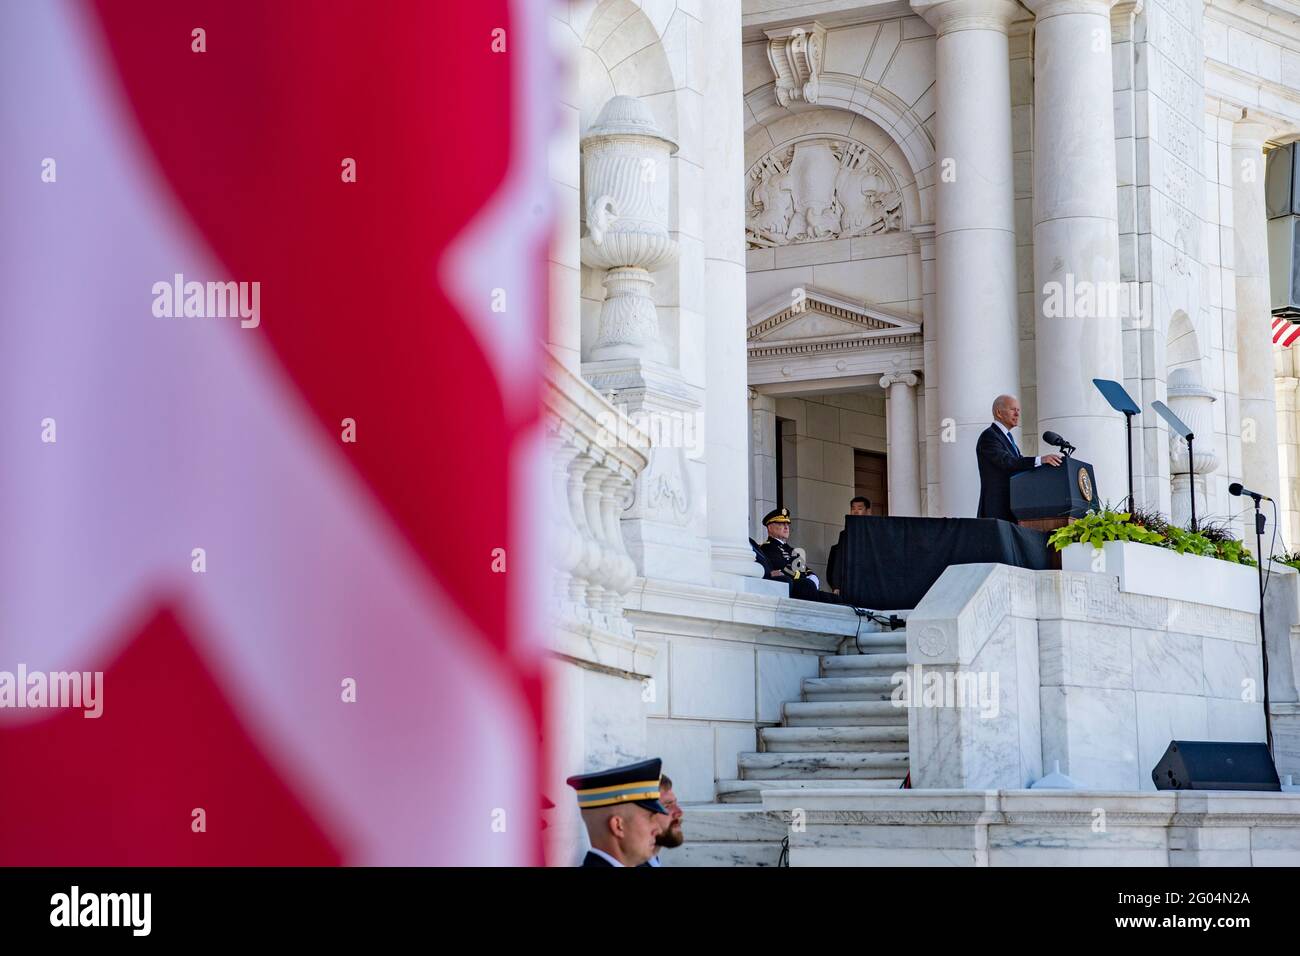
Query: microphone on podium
[1056,440]
[1236,490]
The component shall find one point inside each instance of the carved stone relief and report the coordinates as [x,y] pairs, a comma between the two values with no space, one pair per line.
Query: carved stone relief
[820,188]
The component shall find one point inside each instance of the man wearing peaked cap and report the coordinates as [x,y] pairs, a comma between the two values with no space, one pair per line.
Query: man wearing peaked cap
[619,808]
[780,560]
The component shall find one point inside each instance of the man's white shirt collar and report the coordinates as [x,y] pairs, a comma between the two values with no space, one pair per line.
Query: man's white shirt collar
[612,861]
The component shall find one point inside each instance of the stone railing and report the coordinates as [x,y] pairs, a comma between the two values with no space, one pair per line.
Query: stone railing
[595,454]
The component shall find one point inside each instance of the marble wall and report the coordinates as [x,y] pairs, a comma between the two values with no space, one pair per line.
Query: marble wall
[1090,676]
[1041,828]
[724,664]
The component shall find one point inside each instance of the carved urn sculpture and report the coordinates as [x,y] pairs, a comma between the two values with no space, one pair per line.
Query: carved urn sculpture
[625,190]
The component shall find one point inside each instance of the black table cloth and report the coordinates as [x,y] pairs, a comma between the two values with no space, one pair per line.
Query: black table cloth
[889,563]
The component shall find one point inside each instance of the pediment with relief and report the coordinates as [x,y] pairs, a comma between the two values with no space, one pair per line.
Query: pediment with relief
[811,321]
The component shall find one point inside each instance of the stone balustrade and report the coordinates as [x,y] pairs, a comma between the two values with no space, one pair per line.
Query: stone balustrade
[595,455]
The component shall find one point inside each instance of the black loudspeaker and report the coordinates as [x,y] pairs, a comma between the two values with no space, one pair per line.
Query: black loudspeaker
[1215,765]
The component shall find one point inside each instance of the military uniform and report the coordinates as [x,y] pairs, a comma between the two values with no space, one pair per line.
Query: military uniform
[780,557]
[635,783]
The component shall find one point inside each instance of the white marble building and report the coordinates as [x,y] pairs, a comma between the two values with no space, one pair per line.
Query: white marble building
[802,245]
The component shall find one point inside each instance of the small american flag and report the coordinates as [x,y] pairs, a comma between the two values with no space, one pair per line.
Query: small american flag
[1285,332]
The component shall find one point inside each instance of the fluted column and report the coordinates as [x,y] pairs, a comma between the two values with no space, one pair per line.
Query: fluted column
[975,244]
[726,402]
[1255,387]
[904,476]
[1077,333]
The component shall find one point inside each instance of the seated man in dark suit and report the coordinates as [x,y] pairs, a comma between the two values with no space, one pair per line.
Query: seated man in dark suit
[999,458]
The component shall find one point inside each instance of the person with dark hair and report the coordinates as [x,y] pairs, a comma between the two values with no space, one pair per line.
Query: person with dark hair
[858,505]
[670,833]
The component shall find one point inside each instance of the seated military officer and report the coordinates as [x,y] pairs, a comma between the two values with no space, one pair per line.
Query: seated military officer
[785,563]
[619,808]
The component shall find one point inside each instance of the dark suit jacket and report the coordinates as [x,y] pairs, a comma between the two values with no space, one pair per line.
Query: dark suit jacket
[833,565]
[595,859]
[997,463]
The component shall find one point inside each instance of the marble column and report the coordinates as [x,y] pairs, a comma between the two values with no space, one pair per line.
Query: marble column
[975,244]
[1255,387]
[904,476]
[564,266]
[1077,330]
[1288,449]
[726,408]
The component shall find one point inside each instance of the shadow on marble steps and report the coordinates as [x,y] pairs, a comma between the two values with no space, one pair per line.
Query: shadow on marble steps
[843,713]
[884,738]
[873,642]
[875,687]
[820,765]
[863,665]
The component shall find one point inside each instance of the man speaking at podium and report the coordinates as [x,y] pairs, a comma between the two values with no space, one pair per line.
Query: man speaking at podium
[999,458]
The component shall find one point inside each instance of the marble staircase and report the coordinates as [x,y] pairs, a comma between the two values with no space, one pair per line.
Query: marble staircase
[845,733]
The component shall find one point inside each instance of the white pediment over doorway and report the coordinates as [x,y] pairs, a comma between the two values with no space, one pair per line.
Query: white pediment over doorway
[812,317]
[812,334]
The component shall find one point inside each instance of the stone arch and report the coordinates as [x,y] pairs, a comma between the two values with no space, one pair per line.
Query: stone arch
[1182,345]
[786,127]
[912,152]
[624,53]
[1191,401]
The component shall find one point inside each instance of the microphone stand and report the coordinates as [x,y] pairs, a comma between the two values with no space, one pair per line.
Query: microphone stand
[1263,645]
[1128,434]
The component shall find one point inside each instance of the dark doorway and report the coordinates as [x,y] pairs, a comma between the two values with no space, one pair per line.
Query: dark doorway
[870,479]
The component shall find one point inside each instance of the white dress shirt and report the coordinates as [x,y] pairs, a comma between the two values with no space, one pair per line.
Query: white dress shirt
[612,861]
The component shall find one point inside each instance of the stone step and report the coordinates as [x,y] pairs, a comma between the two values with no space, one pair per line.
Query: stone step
[863,665]
[844,713]
[848,688]
[834,739]
[836,765]
[731,822]
[750,791]
[877,642]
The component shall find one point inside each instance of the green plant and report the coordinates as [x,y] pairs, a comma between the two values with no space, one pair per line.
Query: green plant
[1190,542]
[1234,551]
[1099,527]
[1150,519]
[1291,558]
[1216,531]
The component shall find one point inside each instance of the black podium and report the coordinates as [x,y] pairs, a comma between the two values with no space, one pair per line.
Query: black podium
[1046,498]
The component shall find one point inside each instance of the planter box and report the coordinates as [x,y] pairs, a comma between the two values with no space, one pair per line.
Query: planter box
[1159,572]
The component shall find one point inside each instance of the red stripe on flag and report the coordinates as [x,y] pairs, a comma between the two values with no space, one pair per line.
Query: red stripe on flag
[121,789]
[251,136]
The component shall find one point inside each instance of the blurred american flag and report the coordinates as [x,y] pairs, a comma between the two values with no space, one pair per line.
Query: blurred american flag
[326,560]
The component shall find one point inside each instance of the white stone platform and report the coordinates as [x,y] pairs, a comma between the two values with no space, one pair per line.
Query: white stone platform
[1040,828]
